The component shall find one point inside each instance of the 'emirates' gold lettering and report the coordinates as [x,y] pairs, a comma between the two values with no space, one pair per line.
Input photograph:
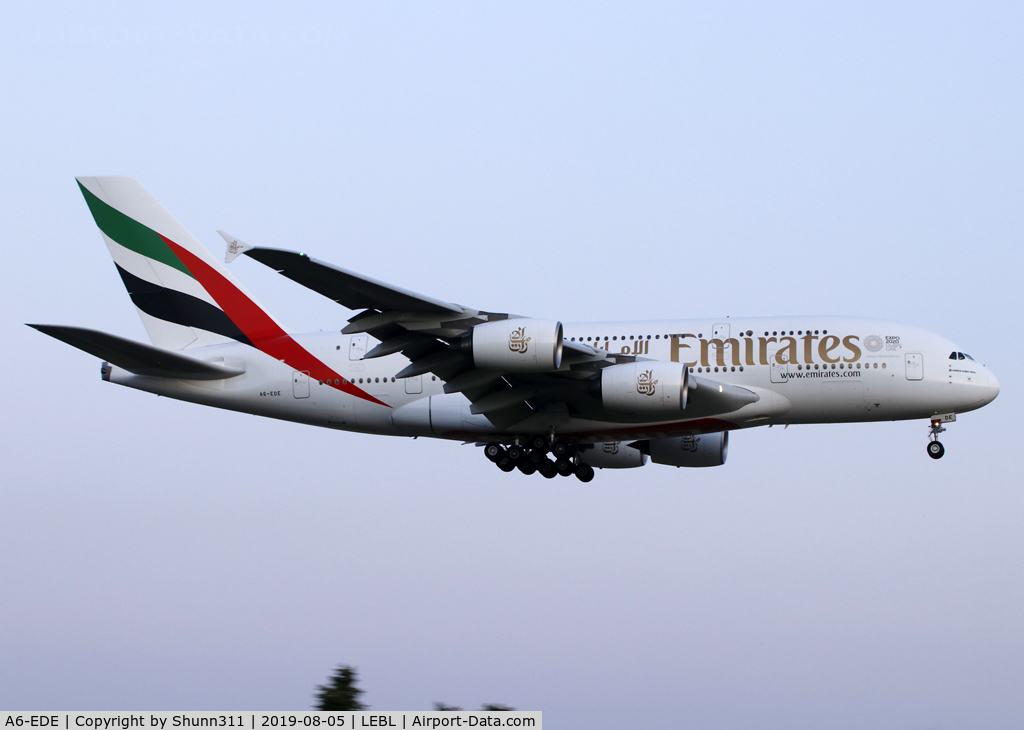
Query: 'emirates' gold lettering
[789,349]
[809,339]
[848,343]
[788,352]
[749,350]
[826,346]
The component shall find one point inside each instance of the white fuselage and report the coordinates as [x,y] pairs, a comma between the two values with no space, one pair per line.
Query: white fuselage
[829,370]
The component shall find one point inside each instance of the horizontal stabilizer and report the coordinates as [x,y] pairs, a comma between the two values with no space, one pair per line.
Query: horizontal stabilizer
[136,357]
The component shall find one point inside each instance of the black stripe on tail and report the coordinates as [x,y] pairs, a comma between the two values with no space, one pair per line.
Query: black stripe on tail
[174,306]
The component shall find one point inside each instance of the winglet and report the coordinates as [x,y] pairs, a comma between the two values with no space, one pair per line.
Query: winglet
[235,247]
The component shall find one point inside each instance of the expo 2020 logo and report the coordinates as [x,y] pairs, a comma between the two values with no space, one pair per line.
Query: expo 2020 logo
[873,343]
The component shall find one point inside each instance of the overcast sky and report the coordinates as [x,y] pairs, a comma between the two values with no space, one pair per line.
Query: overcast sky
[571,161]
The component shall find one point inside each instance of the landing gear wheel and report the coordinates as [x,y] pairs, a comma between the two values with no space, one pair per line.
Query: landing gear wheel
[584,472]
[935,449]
[539,443]
[494,452]
[560,449]
[505,464]
[563,467]
[547,469]
[526,467]
[516,453]
[536,458]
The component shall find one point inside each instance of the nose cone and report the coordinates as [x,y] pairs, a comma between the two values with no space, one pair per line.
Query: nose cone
[991,388]
[975,390]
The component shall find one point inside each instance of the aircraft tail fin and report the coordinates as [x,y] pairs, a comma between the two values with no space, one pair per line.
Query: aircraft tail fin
[183,294]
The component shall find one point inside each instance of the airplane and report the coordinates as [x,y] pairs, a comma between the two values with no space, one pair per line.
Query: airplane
[537,395]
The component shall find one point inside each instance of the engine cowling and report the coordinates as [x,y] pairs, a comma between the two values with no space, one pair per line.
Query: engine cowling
[518,345]
[708,449]
[613,455]
[648,388]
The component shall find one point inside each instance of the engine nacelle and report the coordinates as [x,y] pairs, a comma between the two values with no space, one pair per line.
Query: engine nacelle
[613,455]
[708,449]
[648,388]
[518,345]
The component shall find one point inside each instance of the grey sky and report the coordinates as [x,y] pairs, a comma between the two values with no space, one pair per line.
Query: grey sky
[571,161]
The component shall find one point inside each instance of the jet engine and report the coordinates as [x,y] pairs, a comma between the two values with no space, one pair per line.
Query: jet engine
[708,449]
[647,388]
[613,455]
[518,345]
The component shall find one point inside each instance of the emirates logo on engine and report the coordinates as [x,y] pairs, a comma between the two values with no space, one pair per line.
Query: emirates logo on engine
[518,341]
[645,383]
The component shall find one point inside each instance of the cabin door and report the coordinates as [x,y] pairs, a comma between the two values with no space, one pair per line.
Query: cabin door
[915,366]
[300,384]
[721,332]
[779,370]
[357,347]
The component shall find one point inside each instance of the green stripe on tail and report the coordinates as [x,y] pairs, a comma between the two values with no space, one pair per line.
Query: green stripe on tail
[130,233]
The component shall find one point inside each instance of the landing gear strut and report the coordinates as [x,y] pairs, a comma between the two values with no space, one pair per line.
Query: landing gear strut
[935,449]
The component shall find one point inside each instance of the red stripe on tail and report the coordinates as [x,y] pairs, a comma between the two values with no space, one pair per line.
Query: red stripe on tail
[261,330]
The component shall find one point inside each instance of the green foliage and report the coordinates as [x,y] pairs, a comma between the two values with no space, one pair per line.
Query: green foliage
[340,692]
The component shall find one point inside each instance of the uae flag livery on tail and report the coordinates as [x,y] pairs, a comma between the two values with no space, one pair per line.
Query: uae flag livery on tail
[184,296]
[176,308]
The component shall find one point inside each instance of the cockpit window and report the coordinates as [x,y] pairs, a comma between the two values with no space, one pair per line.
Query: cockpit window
[968,356]
[960,356]
[952,356]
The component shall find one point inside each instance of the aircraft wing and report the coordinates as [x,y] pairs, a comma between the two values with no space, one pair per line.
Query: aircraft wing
[349,289]
[432,334]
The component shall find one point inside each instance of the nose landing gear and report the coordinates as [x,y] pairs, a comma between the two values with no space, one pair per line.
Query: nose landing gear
[935,449]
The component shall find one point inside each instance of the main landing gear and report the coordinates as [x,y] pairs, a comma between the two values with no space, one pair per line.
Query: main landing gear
[533,459]
[935,449]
